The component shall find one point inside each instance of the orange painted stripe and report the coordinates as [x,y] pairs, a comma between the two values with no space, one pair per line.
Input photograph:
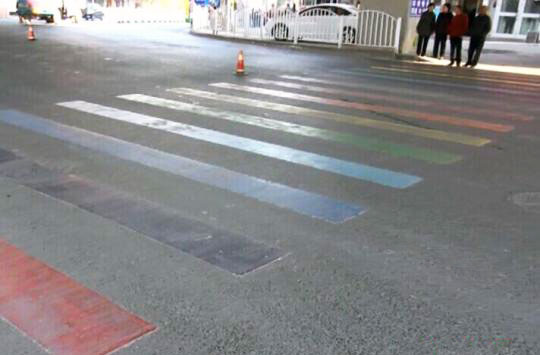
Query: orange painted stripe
[377,108]
[431,68]
[493,103]
[521,85]
[63,316]
[392,99]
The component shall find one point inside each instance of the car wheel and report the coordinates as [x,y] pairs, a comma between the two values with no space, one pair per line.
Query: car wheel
[49,19]
[349,35]
[280,32]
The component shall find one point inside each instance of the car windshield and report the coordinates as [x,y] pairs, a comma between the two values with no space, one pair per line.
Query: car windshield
[344,10]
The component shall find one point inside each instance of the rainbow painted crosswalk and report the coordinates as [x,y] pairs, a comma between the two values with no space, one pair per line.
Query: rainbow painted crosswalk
[325,107]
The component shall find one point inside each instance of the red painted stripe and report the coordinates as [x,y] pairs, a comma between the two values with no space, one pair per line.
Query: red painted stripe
[393,99]
[60,314]
[375,108]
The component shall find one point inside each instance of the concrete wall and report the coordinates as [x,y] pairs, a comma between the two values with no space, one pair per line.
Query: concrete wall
[398,8]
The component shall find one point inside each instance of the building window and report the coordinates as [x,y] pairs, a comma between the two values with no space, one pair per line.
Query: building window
[532,7]
[506,24]
[510,5]
[529,25]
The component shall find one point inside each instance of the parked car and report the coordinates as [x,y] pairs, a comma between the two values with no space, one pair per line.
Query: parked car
[45,9]
[317,23]
[306,3]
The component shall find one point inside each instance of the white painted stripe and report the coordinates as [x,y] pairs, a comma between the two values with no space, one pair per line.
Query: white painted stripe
[363,142]
[304,202]
[337,166]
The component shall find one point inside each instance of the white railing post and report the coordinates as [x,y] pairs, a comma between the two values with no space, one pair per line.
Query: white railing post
[357,33]
[398,34]
[340,31]
[246,23]
[295,33]
[260,22]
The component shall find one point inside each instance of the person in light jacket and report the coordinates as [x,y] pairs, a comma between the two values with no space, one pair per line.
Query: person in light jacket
[457,29]
[441,30]
[425,29]
[480,28]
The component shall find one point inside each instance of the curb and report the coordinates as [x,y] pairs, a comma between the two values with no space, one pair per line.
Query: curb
[147,21]
[299,46]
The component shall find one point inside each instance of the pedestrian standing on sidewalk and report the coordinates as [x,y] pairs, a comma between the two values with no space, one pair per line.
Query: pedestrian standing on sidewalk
[457,29]
[425,29]
[441,30]
[479,30]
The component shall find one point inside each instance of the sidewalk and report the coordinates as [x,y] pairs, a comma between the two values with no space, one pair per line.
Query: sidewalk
[510,53]
[497,56]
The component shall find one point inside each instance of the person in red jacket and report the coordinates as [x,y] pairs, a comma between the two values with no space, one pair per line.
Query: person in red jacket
[457,28]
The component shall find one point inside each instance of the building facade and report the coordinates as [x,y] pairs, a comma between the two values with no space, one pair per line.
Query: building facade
[512,19]
[515,18]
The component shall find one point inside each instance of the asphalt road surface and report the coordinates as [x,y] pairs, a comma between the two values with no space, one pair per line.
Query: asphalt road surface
[328,202]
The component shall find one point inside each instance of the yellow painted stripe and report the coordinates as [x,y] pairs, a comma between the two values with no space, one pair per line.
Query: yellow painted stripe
[416,115]
[479,71]
[509,82]
[389,99]
[366,122]
[385,90]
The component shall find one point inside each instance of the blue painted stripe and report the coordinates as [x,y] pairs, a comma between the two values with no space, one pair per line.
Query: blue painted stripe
[312,160]
[303,202]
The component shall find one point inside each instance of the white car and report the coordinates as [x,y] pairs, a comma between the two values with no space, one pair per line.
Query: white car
[319,23]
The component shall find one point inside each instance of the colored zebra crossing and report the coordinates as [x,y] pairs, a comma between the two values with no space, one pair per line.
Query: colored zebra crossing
[338,117]
[363,142]
[520,83]
[409,79]
[300,201]
[60,314]
[303,202]
[494,110]
[371,108]
[435,105]
[346,168]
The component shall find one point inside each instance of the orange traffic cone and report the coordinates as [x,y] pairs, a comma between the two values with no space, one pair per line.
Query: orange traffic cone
[31,35]
[240,63]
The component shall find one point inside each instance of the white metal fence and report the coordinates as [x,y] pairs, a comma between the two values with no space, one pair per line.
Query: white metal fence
[370,28]
[378,29]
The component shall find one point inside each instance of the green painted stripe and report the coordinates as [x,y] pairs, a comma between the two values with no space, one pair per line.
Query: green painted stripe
[367,143]
[395,127]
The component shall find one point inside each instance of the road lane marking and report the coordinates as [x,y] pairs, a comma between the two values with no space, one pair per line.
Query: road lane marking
[435,105]
[494,127]
[453,76]
[494,106]
[60,314]
[326,115]
[337,166]
[470,87]
[367,143]
[442,68]
[231,252]
[302,202]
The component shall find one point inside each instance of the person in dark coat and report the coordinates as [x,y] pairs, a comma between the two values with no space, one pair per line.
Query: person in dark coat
[478,31]
[441,30]
[425,28]
[457,29]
